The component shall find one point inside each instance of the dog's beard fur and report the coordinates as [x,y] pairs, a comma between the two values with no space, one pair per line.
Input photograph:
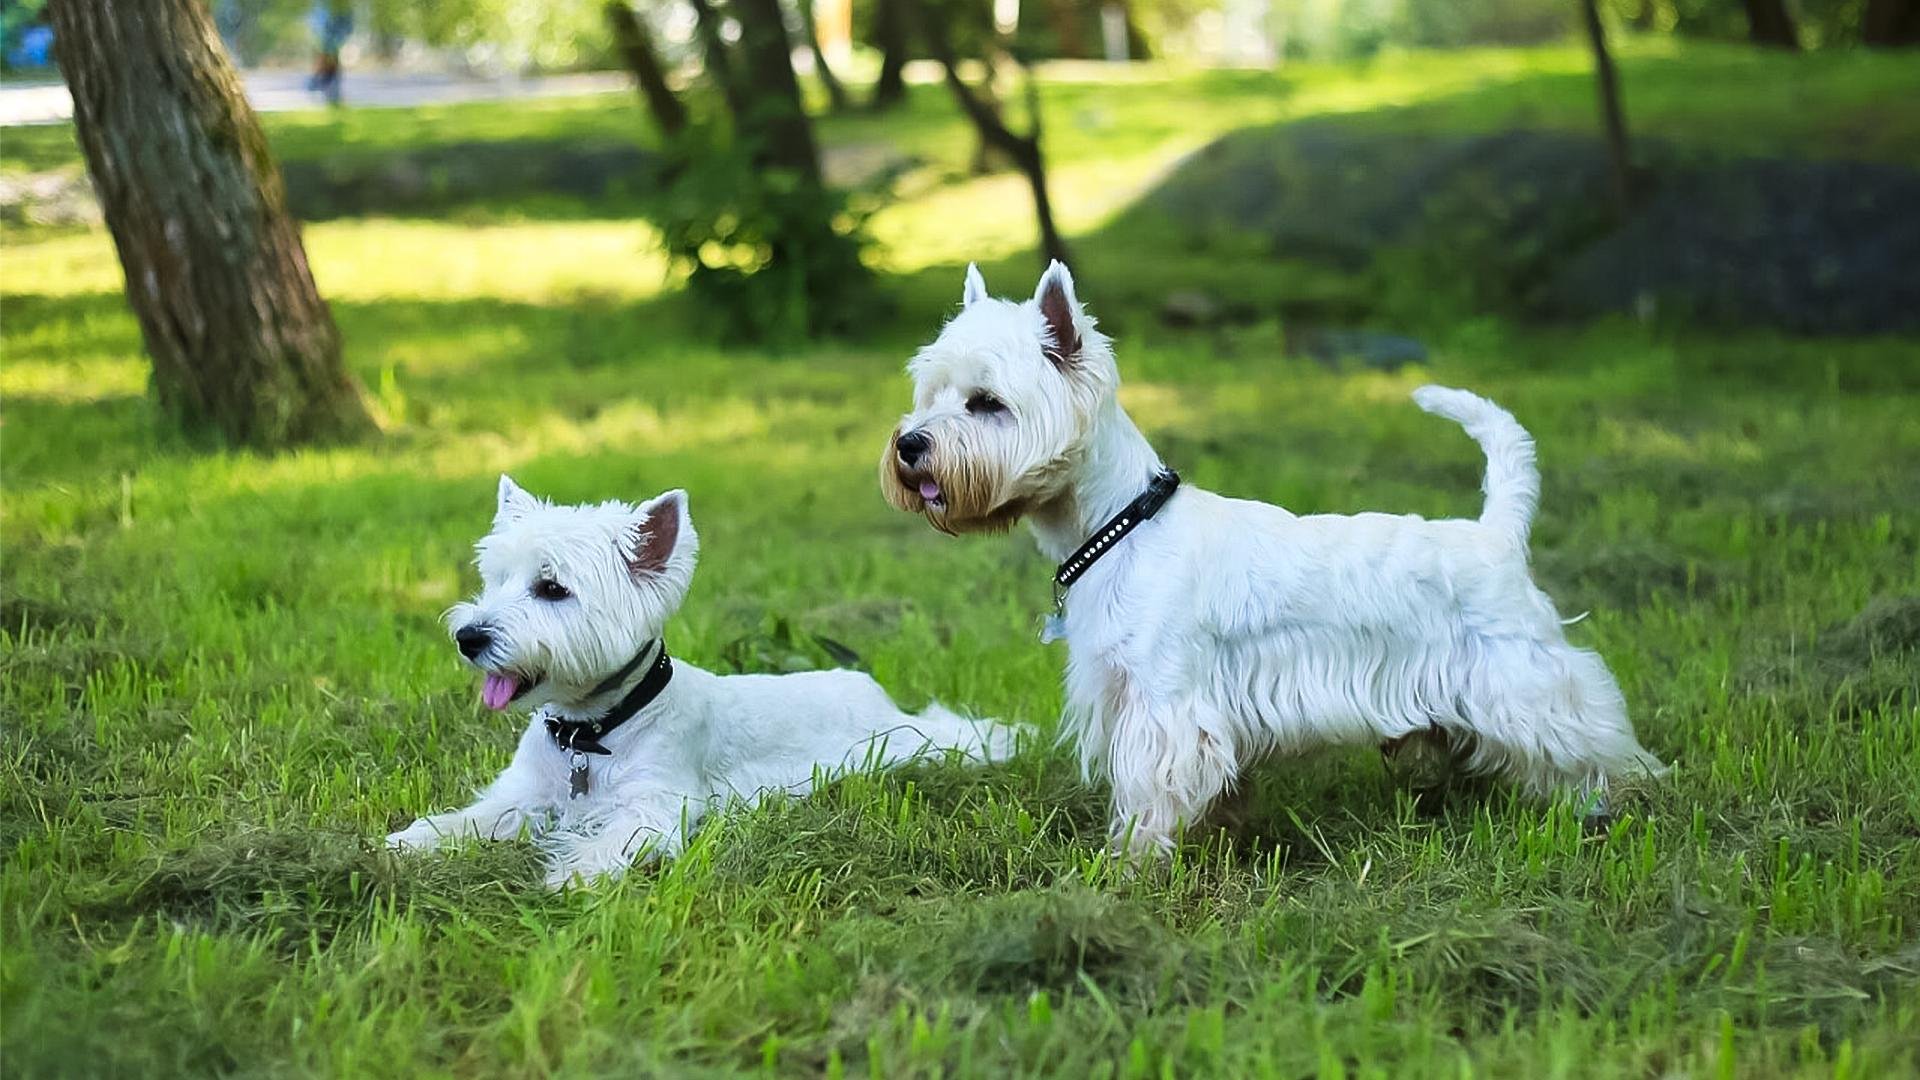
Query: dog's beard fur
[974,495]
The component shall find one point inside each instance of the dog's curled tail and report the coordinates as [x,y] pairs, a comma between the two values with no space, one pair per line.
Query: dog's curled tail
[1512,485]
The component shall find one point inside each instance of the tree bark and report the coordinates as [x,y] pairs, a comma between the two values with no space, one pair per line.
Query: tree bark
[241,341]
[643,60]
[1023,150]
[774,115]
[1769,24]
[890,26]
[1612,115]
[706,25]
[1891,24]
[836,93]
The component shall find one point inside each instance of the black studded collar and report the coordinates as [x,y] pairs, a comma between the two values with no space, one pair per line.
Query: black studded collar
[1159,490]
[583,736]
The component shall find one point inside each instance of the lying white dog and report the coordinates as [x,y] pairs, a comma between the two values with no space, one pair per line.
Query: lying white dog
[627,749]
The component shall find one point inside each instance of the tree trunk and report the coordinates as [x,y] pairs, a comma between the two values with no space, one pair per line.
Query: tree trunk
[241,342]
[1070,41]
[1023,150]
[1769,24]
[775,117]
[643,60]
[719,61]
[890,32]
[1053,247]
[1612,116]
[836,93]
[1891,24]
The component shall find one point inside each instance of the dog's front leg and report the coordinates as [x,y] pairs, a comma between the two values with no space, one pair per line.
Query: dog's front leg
[641,832]
[1167,768]
[498,813]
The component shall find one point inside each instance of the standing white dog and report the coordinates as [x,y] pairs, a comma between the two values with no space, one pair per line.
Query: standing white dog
[1205,632]
[627,749]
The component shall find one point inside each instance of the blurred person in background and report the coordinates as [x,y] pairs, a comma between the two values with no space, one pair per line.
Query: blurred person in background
[332,22]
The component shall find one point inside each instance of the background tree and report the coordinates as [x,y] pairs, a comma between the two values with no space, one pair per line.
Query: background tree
[774,115]
[978,104]
[1769,23]
[745,210]
[1613,117]
[241,342]
[892,34]
[1891,23]
[642,59]
[837,98]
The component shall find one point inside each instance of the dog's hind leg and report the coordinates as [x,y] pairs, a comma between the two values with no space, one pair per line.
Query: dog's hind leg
[982,741]
[1550,718]
[932,734]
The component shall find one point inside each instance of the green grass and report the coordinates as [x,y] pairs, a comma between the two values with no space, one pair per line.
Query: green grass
[222,678]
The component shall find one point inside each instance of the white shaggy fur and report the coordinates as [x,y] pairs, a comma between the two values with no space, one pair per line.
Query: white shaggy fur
[1222,630]
[706,741]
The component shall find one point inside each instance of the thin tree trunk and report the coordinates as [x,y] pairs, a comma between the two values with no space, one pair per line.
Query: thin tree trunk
[890,30]
[836,93]
[1891,24]
[241,341]
[1612,116]
[1023,150]
[706,25]
[1053,247]
[1069,41]
[1769,24]
[643,60]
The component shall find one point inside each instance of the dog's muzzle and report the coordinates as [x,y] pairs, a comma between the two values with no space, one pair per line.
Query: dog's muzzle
[912,448]
[473,640]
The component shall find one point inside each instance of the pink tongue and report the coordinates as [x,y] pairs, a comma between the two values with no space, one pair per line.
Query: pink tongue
[498,691]
[929,490]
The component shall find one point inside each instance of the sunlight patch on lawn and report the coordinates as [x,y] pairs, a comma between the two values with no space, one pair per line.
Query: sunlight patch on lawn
[1631,437]
[531,262]
[74,379]
[69,265]
[386,259]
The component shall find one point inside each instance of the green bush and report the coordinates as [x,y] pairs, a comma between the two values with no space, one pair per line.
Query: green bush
[751,241]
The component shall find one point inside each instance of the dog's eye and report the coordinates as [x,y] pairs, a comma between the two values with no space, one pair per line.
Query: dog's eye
[549,589]
[985,404]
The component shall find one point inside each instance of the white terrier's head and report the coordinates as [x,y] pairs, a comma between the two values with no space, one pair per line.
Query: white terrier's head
[569,594]
[1002,403]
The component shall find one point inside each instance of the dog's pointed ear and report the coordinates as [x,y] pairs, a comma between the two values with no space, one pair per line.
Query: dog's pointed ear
[663,529]
[976,287]
[1061,311]
[514,501]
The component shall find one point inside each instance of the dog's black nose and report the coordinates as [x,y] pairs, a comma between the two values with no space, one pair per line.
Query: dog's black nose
[473,640]
[912,446]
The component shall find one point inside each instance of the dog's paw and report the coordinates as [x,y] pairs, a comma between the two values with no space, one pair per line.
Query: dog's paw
[419,836]
[582,873]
